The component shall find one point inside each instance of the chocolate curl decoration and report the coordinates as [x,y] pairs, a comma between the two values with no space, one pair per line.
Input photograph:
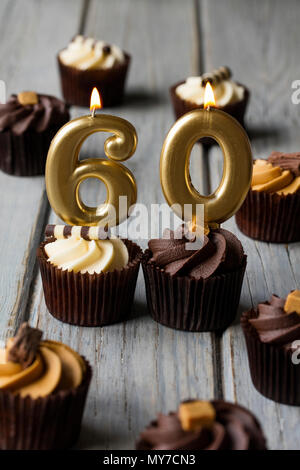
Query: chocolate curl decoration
[24,345]
[222,73]
[66,231]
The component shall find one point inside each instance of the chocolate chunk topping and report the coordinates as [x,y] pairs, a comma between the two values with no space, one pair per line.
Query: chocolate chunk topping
[24,345]
[286,161]
[106,49]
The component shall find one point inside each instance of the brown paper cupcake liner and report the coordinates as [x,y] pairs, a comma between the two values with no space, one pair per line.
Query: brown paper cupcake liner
[25,154]
[90,299]
[45,423]
[236,110]
[270,217]
[77,85]
[272,371]
[192,305]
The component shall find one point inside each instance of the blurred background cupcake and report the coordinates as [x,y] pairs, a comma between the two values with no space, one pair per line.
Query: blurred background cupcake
[86,63]
[272,333]
[43,389]
[28,122]
[204,425]
[231,97]
[271,210]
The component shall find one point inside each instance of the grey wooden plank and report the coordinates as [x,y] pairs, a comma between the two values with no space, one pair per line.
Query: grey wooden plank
[252,38]
[27,53]
[140,368]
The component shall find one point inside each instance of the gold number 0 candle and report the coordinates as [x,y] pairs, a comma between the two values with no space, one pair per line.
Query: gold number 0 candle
[237,171]
[64,172]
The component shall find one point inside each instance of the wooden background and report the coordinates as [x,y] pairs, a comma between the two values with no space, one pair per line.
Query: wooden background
[140,367]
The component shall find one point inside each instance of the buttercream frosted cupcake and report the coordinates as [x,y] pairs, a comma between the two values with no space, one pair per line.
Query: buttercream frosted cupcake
[271,210]
[88,280]
[204,425]
[272,333]
[194,290]
[231,97]
[28,122]
[43,388]
[86,63]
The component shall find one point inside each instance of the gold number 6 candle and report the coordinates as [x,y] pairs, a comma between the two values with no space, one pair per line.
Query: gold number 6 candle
[174,163]
[65,173]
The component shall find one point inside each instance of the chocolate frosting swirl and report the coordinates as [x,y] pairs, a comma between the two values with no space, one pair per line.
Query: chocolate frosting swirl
[48,112]
[221,252]
[274,325]
[286,161]
[235,428]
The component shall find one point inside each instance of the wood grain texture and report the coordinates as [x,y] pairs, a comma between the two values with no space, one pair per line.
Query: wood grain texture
[256,49]
[140,367]
[27,54]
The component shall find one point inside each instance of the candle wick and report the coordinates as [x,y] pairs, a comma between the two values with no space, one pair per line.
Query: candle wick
[208,108]
[93,112]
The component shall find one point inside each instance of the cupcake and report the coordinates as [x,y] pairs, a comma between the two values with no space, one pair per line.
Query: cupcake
[271,210]
[272,333]
[88,280]
[86,63]
[231,97]
[43,388]
[194,289]
[204,425]
[28,122]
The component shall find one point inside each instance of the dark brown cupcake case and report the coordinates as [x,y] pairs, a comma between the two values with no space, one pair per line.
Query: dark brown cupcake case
[273,372]
[90,299]
[198,290]
[236,110]
[77,85]
[45,423]
[189,304]
[270,217]
[26,132]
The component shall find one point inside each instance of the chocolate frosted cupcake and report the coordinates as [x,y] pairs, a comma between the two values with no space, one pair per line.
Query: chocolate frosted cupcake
[271,210]
[204,425]
[28,122]
[43,388]
[272,333]
[87,63]
[194,289]
[231,97]
[88,280]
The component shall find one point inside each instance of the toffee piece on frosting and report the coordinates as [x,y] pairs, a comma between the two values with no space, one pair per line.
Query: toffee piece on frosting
[292,303]
[28,98]
[197,414]
[24,345]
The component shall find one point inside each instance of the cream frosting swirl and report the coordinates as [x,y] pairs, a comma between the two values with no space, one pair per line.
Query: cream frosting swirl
[94,256]
[273,179]
[55,367]
[225,91]
[87,54]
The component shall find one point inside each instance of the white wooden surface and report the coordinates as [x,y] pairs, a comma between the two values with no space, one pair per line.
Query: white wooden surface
[140,367]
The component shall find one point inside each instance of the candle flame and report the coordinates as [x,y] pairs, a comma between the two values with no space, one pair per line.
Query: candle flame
[209,98]
[95,100]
